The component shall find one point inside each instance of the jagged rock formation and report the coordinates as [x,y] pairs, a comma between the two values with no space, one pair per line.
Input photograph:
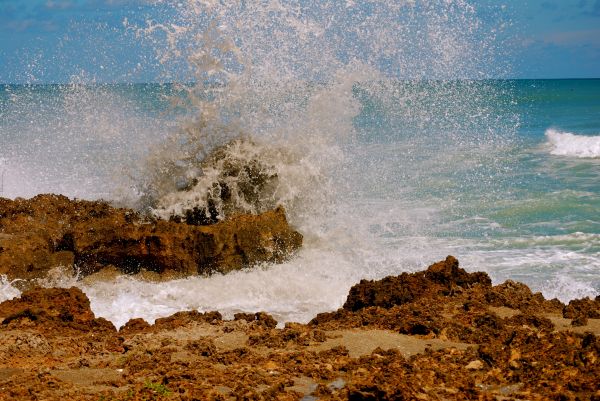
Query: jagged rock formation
[41,233]
[440,278]
[453,337]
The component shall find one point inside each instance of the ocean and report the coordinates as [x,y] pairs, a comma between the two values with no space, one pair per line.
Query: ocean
[520,203]
[381,175]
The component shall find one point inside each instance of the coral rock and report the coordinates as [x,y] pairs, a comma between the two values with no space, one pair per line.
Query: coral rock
[54,307]
[442,277]
[47,231]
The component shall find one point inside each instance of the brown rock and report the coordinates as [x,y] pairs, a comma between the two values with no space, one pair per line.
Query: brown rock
[49,230]
[448,273]
[182,318]
[579,321]
[193,355]
[69,304]
[260,318]
[582,308]
[440,278]
[52,306]
[516,295]
[133,326]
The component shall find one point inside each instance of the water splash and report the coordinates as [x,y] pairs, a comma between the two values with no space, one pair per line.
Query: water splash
[292,87]
[3,169]
[73,139]
[288,76]
[8,290]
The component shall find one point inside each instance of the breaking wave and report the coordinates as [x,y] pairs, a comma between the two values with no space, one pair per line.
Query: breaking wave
[569,144]
[269,117]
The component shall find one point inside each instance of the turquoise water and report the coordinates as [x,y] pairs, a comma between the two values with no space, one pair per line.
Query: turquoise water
[516,194]
[503,174]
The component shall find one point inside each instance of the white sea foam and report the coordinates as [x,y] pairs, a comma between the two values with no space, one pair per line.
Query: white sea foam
[569,144]
[559,266]
[7,289]
[313,282]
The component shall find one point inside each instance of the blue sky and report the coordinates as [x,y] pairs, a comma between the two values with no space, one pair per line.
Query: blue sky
[557,38]
[55,40]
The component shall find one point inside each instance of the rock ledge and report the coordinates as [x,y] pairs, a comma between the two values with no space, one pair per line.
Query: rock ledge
[48,231]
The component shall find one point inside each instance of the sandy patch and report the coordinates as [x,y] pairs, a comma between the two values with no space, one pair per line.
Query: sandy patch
[364,342]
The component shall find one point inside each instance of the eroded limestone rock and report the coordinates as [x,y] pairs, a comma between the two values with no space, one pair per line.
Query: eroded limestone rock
[463,343]
[41,233]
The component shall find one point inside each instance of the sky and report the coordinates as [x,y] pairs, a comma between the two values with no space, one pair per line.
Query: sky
[45,41]
[556,38]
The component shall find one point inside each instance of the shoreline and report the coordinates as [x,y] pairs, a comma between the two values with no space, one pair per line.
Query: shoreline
[441,333]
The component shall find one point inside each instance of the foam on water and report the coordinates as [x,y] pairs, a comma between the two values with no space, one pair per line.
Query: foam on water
[318,278]
[291,292]
[569,144]
[7,289]
[559,266]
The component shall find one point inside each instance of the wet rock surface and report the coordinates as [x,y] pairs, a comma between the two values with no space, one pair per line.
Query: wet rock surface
[238,177]
[453,337]
[47,231]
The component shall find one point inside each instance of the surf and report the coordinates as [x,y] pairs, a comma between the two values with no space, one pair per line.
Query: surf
[373,124]
[569,144]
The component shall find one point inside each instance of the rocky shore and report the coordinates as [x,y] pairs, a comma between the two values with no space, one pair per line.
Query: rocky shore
[439,334]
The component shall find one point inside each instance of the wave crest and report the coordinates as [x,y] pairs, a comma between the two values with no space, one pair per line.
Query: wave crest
[568,144]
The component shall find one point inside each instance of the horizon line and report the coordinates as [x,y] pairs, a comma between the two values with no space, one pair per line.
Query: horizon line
[192,83]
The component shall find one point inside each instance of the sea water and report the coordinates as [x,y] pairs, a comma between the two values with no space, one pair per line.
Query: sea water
[388,158]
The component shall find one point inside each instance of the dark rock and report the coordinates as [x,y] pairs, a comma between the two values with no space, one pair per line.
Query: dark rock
[237,177]
[261,318]
[516,295]
[584,307]
[182,318]
[440,278]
